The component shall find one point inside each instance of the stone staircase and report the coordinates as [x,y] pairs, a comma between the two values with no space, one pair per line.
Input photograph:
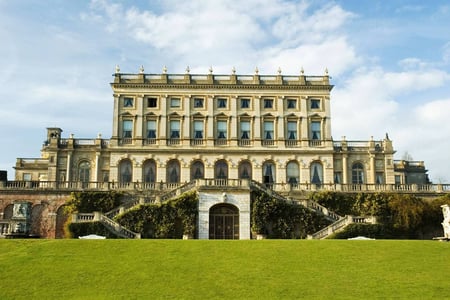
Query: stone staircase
[339,225]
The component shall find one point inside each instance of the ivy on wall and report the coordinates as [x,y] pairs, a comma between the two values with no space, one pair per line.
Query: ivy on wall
[401,215]
[279,219]
[88,202]
[170,219]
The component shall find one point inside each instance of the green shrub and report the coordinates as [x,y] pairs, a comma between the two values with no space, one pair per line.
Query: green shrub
[279,219]
[87,202]
[368,230]
[170,219]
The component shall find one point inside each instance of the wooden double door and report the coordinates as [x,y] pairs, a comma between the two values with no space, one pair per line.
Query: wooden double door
[224,222]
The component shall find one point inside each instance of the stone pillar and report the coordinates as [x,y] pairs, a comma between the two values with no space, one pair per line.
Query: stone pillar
[344,169]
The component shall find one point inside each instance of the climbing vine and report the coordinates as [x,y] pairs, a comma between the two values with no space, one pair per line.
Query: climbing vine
[171,219]
[279,219]
[90,201]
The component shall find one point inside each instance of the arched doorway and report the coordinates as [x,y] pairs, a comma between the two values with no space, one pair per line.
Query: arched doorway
[125,171]
[197,170]
[224,222]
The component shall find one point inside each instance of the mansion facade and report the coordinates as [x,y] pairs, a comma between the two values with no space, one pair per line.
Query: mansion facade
[170,129]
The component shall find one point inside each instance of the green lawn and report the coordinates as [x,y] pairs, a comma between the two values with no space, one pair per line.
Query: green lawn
[268,269]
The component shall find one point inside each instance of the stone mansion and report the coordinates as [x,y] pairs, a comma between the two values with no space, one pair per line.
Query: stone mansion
[220,131]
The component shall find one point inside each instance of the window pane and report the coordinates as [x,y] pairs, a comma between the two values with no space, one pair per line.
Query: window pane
[292,103]
[245,103]
[127,125]
[245,126]
[175,102]
[128,102]
[151,125]
[315,103]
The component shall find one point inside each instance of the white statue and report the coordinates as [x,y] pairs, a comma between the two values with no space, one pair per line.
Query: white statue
[446,222]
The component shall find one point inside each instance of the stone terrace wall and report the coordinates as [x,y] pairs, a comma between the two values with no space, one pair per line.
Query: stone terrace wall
[47,217]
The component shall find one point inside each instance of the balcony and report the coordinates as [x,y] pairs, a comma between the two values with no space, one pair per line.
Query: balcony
[173,142]
[291,143]
[221,142]
[267,143]
[197,142]
[149,141]
[315,143]
[245,143]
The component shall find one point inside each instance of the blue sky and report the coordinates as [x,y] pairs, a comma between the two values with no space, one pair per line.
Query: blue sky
[389,62]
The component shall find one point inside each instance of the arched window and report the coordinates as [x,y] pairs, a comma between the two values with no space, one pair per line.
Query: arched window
[84,171]
[357,173]
[221,169]
[316,173]
[197,170]
[268,173]
[245,170]
[125,171]
[149,171]
[173,171]
[292,172]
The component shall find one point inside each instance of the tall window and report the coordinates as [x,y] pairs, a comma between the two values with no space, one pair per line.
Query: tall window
[125,171]
[174,129]
[198,129]
[245,130]
[357,173]
[316,172]
[379,178]
[315,130]
[149,171]
[221,129]
[292,173]
[268,173]
[221,102]
[173,171]
[268,130]
[221,169]
[292,130]
[84,170]
[151,129]
[127,129]
[197,170]
[245,170]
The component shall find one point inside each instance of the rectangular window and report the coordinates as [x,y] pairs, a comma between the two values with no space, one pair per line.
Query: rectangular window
[221,129]
[174,129]
[245,130]
[151,129]
[315,104]
[221,102]
[245,103]
[291,103]
[127,126]
[152,102]
[292,130]
[198,129]
[268,103]
[198,102]
[268,130]
[398,179]
[315,130]
[128,102]
[175,102]
[27,176]
[337,177]
[379,178]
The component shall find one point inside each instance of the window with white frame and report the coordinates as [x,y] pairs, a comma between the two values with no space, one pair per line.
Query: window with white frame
[357,173]
[268,130]
[292,130]
[315,130]
[245,130]
[292,172]
[127,128]
[221,129]
[198,129]
[151,129]
[174,129]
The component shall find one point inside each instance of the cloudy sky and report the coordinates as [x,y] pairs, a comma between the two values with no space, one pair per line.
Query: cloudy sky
[389,62]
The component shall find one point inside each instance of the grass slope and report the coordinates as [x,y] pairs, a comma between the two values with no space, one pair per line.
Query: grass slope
[268,269]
